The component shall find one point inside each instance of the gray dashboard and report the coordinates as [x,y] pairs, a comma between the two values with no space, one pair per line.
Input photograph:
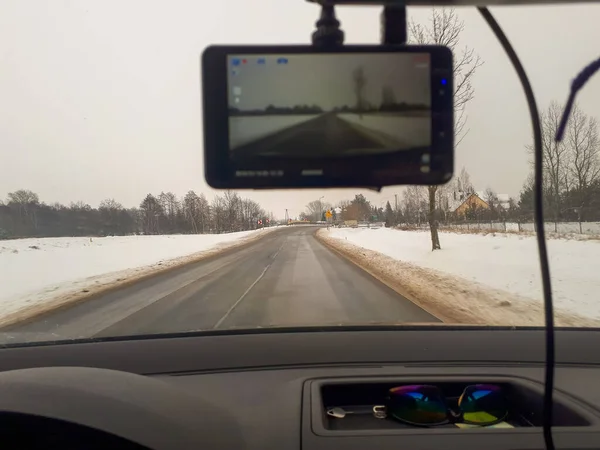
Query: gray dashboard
[254,390]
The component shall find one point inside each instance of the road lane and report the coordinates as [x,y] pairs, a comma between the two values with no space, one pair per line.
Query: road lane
[326,135]
[309,284]
[285,279]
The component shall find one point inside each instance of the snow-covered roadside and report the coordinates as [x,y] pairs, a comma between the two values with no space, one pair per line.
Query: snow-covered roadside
[478,279]
[38,275]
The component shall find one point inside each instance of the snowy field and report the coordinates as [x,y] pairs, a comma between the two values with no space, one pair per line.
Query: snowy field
[245,129]
[34,271]
[504,262]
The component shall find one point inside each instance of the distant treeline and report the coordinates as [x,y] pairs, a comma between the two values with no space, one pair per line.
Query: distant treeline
[315,109]
[277,110]
[24,215]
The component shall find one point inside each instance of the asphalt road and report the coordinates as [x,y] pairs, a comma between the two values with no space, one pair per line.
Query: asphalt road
[326,135]
[287,278]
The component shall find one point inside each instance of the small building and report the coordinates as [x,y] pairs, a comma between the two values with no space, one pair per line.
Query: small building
[471,204]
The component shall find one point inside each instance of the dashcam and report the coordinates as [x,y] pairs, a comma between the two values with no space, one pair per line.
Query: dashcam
[356,116]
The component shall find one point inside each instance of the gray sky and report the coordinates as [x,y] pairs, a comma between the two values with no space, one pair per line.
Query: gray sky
[327,80]
[101,98]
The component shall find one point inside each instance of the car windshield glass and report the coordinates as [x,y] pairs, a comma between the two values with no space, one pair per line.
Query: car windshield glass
[108,228]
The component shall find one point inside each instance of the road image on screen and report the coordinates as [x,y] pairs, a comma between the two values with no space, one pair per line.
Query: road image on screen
[328,105]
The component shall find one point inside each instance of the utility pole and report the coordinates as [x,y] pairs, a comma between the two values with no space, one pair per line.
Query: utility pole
[396,201]
[320,208]
[287,217]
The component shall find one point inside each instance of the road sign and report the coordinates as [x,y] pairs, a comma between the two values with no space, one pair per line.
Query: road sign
[328,214]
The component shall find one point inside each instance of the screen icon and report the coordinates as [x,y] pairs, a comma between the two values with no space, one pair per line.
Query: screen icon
[235,72]
[261,61]
[236,61]
[237,90]
[282,60]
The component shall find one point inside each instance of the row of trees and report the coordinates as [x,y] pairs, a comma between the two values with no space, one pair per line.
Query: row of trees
[414,207]
[359,209]
[571,185]
[277,110]
[571,167]
[24,215]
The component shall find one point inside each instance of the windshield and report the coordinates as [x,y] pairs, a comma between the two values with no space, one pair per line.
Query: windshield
[108,228]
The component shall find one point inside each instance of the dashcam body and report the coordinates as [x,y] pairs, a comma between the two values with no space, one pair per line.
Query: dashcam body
[300,116]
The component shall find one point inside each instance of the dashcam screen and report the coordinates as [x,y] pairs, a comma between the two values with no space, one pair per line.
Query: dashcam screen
[328,105]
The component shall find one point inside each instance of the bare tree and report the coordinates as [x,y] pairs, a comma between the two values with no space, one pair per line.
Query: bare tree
[491,198]
[251,213]
[555,159]
[315,209]
[191,211]
[584,143]
[150,213]
[445,29]
[443,192]
[170,206]
[111,215]
[218,214]
[360,81]
[203,212]
[463,182]
[232,203]
[23,197]
[110,204]
[414,203]
[25,202]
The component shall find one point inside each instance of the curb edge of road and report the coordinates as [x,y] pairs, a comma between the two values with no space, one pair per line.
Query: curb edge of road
[71,299]
[347,256]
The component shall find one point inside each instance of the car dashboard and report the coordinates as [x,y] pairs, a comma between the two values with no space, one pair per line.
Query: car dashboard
[271,388]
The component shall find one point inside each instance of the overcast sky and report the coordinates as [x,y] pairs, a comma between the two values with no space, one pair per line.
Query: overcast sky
[101,98]
[327,80]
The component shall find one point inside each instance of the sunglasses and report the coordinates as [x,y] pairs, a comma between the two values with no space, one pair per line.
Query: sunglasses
[424,405]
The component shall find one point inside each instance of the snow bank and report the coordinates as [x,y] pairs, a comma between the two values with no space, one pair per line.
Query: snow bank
[411,131]
[39,274]
[495,275]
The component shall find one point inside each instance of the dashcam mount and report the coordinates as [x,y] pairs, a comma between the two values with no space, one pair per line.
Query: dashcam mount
[329,34]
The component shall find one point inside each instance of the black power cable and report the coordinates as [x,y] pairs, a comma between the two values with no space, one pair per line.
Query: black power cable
[576,85]
[539,221]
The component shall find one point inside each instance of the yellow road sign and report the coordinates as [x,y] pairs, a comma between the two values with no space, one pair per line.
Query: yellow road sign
[328,214]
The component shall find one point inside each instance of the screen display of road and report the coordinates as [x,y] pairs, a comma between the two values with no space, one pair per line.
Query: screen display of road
[328,105]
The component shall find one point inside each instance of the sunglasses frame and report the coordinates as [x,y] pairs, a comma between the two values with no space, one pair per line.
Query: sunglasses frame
[452,416]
